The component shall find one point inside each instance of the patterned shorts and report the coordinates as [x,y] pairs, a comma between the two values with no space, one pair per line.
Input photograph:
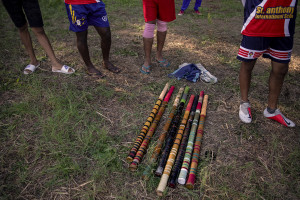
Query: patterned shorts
[278,49]
[83,15]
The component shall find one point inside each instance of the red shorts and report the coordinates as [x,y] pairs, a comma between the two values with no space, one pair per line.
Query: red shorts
[163,10]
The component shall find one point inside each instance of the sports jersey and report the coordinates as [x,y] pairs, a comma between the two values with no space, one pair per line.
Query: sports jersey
[269,18]
[76,2]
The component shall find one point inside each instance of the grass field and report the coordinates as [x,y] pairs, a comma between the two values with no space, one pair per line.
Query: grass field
[67,137]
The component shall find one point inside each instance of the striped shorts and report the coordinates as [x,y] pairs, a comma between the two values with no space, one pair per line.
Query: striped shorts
[278,49]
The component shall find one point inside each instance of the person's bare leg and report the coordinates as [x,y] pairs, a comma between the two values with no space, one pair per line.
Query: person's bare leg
[278,72]
[26,40]
[245,78]
[148,42]
[45,43]
[105,35]
[84,52]
[161,38]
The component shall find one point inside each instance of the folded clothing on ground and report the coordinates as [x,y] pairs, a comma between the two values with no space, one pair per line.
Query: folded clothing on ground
[192,72]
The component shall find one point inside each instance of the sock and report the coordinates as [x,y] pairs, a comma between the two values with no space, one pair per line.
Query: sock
[271,111]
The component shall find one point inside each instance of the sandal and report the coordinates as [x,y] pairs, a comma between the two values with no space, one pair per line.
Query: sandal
[64,70]
[163,63]
[147,68]
[29,69]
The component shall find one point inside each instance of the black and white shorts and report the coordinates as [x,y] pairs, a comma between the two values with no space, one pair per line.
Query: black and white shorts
[17,9]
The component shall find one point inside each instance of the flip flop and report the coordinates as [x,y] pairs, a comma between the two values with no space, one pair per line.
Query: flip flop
[64,70]
[144,67]
[30,68]
[163,63]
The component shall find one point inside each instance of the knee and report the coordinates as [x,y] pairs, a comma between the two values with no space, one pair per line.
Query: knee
[280,69]
[80,42]
[81,39]
[162,26]
[248,66]
[149,30]
[106,35]
[23,28]
[38,31]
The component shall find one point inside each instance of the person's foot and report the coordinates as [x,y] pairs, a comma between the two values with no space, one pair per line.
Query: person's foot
[163,62]
[145,69]
[95,73]
[109,66]
[245,112]
[58,67]
[181,12]
[279,117]
[65,69]
[29,69]
[197,12]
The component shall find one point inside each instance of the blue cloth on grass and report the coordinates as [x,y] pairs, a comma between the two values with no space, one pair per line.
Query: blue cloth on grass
[190,72]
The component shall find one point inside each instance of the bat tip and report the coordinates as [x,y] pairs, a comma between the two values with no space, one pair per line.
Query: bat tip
[159,193]
[129,159]
[159,171]
[172,185]
[133,167]
[189,186]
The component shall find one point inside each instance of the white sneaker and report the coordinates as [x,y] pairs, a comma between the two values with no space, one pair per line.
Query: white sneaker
[245,112]
[278,116]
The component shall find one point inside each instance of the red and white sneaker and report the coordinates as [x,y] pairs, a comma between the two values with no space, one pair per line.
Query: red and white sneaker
[181,12]
[197,12]
[278,116]
[245,112]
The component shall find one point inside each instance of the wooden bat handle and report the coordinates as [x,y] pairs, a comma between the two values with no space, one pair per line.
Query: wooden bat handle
[163,93]
[177,99]
[204,105]
[162,185]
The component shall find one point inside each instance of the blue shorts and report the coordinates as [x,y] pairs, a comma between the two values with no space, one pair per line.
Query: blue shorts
[83,15]
[278,49]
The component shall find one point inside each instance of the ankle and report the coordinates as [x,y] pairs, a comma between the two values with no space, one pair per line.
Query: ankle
[34,62]
[57,66]
[146,63]
[159,57]
[106,61]
[242,101]
[271,110]
[55,63]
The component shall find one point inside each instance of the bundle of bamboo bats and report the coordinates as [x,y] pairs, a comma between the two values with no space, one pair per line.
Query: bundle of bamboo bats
[177,151]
